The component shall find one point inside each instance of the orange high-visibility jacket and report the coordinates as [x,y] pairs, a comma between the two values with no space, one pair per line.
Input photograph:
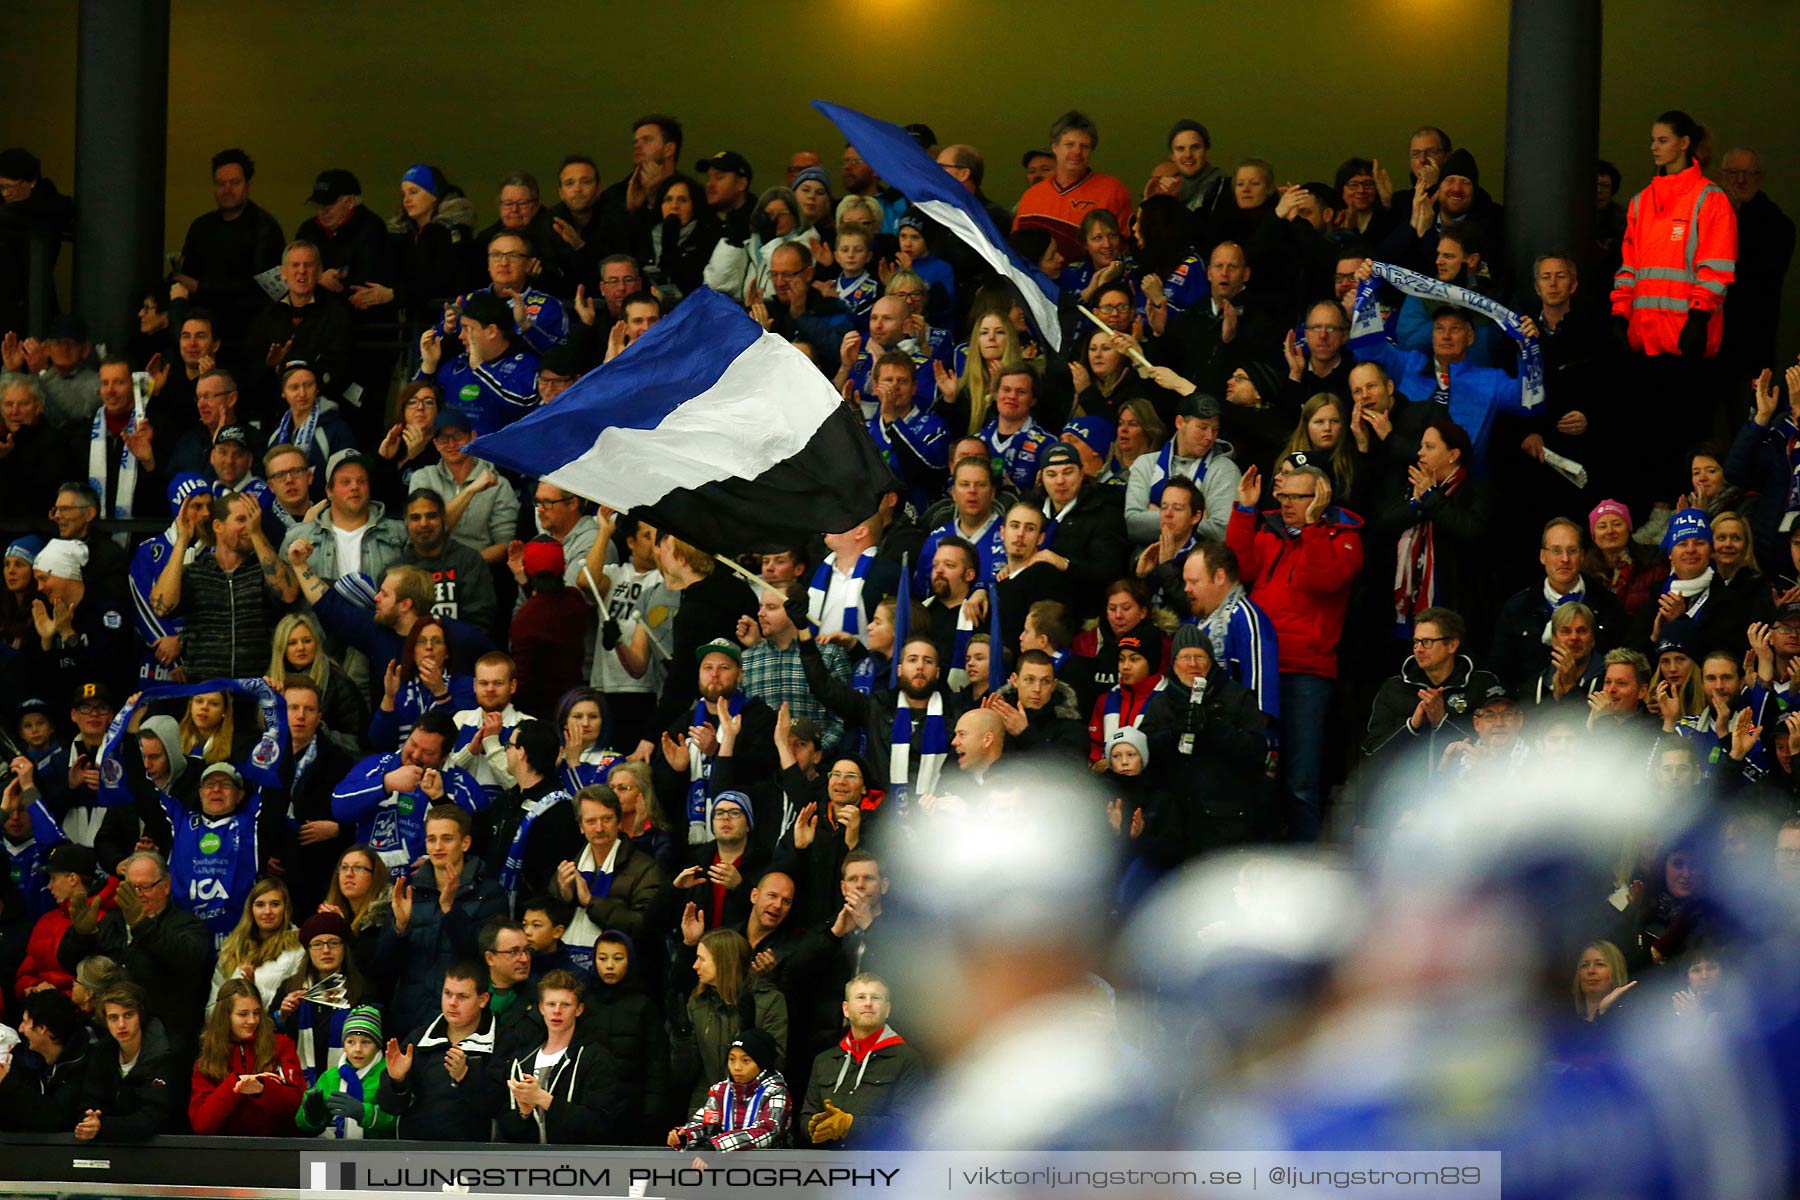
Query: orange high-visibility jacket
[1680,254]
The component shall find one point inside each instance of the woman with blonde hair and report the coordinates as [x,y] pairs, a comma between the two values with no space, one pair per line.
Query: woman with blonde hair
[968,392]
[264,948]
[1324,429]
[247,1080]
[298,648]
[641,816]
[1140,431]
[208,729]
[1600,979]
[362,892]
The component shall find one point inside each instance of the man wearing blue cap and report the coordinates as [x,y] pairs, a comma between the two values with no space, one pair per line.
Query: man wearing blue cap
[1092,437]
[494,379]
[190,501]
[1693,590]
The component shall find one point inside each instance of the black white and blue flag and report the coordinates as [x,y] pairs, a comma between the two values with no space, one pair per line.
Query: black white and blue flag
[727,434]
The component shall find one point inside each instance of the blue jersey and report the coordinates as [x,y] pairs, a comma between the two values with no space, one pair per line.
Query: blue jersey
[917,449]
[1248,654]
[1474,395]
[549,319]
[393,823]
[213,861]
[25,861]
[1017,456]
[1186,285]
[493,395]
[413,700]
[858,294]
[924,385]
[988,543]
[147,565]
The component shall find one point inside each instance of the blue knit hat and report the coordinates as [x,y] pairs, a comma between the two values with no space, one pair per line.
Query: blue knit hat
[1686,525]
[421,176]
[181,487]
[743,803]
[817,175]
[1097,433]
[25,546]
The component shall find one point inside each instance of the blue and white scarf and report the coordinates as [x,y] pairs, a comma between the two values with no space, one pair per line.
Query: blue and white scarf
[286,435]
[1555,600]
[126,488]
[515,854]
[306,1033]
[699,797]
[934,748]
[1365,318]
[350,1082]
[1165,469]
[263,766]
[730,1120]
[853,606]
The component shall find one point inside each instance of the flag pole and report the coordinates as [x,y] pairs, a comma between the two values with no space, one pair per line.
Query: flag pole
[756,581]
[1137,355]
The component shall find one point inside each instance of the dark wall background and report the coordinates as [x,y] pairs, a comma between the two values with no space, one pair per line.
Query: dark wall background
[480,88]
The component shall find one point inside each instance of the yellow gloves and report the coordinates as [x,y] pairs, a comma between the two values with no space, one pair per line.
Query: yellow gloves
[829,1125]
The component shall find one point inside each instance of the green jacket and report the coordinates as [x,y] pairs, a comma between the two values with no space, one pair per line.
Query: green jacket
[314,1119]
[700,1050]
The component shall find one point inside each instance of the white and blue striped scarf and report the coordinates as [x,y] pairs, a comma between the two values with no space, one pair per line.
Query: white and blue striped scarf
[126,489]
[821,584]
[1365,317]
[934,748]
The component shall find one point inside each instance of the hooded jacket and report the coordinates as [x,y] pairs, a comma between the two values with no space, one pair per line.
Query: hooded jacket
[703,1047]
[431,1106]
[875,1086]
[1679,255]
[589,1102]
[1390,729]
[1302,580]
[622,1018]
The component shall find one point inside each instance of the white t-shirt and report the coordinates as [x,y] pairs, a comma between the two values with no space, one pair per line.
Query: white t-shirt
[545,1060]
[623,605]
[349,547]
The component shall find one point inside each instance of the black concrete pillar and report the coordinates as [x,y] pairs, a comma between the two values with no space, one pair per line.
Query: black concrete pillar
[1552,131]
[121,150]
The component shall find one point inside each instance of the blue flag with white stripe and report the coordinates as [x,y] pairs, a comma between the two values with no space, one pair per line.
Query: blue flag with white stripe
[727,434]
[892,154]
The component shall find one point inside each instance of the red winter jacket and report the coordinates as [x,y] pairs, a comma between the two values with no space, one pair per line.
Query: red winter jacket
[213,1107]
[1679,255]
[40,965]
[1302,581]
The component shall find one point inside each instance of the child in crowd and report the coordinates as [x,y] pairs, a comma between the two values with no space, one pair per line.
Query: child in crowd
[745,1111]
[342,1103]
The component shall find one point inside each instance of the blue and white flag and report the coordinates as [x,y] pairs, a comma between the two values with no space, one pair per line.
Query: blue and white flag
[729,435]
[892,154]
[1365,318]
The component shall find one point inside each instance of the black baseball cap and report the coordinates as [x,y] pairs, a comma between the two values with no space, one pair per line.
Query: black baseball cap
[78,860]
[451,418]
[68,328]
[91,693]
[1197,406]
[725,160]
[233,433]
[1025,158]
[1058,454]
[485,308]
[332,184]
[922,134]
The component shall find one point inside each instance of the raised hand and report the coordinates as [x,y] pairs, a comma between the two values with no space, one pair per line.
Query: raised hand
[396,1061]
[1296,357]
[1765,397]
[806,826]
[1249,489]
[692,924]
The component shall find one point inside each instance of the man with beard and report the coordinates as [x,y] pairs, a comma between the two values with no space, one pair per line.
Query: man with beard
[918,715]
[724,742]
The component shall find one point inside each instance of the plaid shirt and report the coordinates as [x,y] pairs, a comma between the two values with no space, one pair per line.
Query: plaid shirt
[773,675]
[708,1123]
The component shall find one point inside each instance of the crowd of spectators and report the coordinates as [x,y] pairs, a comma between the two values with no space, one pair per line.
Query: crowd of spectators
[572,836]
